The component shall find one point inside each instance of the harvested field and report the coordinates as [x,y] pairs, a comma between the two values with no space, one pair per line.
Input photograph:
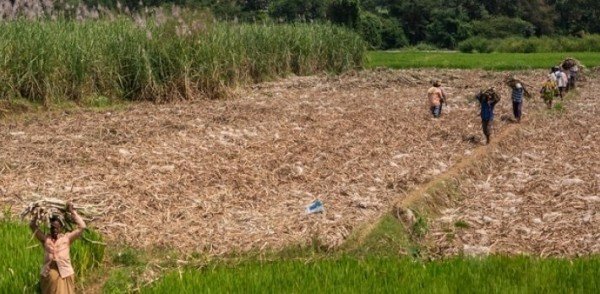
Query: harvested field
[539,195]
[236,175]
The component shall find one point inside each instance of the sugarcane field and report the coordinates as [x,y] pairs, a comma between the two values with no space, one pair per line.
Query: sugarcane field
[217,177]
[251,148]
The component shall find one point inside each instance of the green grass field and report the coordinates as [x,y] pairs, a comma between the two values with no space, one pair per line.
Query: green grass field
[378,266]
[391,275]
[487,61]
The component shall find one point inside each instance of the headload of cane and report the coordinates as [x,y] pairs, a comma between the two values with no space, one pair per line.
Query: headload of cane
[491,94]
[45,209]
[511,79]
[570,62]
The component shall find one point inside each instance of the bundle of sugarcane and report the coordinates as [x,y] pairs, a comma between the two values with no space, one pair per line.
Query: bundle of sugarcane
[512,81]
[570,62]
[575,68]
[491,94]
[45,209]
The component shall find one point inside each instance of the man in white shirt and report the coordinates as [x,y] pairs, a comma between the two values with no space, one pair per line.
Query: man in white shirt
[561,80]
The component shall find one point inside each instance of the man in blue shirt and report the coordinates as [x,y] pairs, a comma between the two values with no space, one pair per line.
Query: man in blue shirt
[488,100]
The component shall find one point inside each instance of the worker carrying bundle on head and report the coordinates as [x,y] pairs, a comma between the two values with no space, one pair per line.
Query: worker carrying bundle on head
[549,90]
[436,98]
[487,100]
[572,66]
[57,274]
[562,81]
[518,91]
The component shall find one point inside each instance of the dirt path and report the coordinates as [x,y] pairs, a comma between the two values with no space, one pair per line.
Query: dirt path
[456,170]
[421,195]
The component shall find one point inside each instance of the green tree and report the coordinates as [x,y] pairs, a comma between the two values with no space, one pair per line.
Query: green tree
[370,27]
[293,10]
[473,8]
[502,27]
[344,12]
[577,16]
[540,13]
[448,27]
[226,9]
[254,5]
[392,34]
[415,16]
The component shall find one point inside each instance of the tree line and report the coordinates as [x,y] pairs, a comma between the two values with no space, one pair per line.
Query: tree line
[398,23]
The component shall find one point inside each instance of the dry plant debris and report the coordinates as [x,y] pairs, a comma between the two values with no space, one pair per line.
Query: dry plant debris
[541,193]
[236,175]
[46,208]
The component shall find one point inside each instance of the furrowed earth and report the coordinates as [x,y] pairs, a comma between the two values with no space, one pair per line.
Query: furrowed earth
[236,175]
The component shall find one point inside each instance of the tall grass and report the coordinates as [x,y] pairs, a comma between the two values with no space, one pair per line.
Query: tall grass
[589,43]
[391,275]
[48,60]
[21,257]
[491,61]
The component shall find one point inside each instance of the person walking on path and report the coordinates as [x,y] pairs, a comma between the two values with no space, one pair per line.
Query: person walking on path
[518,91]
[549,91]
[571,66]
[561,80]
[57,274]
[436,97]
[487,100]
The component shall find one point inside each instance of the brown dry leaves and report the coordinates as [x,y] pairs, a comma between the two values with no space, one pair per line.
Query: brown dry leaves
[217,176]
[540,196]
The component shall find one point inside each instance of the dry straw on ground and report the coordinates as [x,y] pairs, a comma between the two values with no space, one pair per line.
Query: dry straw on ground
[218,176]
[541,193]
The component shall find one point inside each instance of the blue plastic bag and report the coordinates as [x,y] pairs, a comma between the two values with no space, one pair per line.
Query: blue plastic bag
[315,207]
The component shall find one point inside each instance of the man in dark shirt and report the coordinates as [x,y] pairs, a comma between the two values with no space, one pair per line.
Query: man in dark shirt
[518,91]
[488,100]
